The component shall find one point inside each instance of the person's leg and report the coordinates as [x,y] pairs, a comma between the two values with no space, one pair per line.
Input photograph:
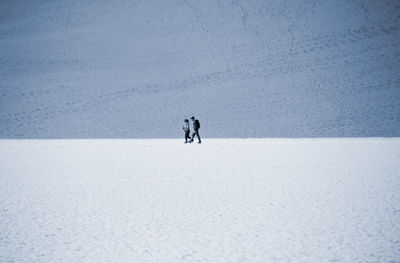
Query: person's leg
[196,133]
[198,136]
[187,136]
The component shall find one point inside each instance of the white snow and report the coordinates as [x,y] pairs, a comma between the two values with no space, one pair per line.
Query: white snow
[259,68]
[226,200]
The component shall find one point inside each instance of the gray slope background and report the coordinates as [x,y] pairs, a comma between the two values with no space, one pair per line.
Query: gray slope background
[136,69]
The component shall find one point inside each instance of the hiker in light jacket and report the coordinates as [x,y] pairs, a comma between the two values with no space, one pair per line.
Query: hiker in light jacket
[186,129]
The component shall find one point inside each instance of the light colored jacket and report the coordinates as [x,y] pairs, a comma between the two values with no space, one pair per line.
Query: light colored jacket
[186,126]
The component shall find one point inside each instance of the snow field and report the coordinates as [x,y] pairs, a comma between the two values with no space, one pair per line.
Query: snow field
[136,69]
[226,200]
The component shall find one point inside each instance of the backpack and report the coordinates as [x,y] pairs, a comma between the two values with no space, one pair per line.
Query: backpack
[197,123]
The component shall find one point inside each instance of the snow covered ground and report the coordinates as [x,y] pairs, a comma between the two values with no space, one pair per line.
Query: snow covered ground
[259,68]
[226,200]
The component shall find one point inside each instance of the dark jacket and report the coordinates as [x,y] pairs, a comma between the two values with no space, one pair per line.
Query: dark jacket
[196,125]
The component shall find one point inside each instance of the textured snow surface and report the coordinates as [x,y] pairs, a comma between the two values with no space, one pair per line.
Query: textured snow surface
[259,68]
[226,200]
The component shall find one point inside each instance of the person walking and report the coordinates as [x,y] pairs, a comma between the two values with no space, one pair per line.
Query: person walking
[186,129]
[196,127]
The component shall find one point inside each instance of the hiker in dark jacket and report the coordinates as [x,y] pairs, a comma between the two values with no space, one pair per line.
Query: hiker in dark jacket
[196,127]
[187,130]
